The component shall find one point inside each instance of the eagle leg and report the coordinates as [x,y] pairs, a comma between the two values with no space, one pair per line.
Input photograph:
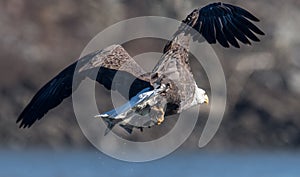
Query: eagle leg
[158,113]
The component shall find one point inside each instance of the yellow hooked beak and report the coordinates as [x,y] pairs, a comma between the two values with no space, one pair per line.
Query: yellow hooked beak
[206,100]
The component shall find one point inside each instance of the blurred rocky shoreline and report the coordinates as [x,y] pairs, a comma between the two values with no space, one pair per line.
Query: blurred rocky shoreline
[40,38]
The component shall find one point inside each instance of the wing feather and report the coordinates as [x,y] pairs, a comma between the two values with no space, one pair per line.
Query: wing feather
[105,62]
[224,23]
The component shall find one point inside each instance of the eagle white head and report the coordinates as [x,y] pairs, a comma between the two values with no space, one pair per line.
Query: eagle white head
[200,97]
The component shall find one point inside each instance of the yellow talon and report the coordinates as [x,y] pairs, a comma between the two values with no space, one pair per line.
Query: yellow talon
[159,113]
[160,120]
[162,116]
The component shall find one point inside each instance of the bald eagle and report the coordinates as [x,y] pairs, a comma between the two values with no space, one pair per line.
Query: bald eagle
[169,89]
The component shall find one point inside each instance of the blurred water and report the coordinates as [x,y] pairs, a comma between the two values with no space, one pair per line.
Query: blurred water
[95,164]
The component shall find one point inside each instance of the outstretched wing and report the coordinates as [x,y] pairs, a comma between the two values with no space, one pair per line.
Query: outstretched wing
[223,23]
[106,62]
